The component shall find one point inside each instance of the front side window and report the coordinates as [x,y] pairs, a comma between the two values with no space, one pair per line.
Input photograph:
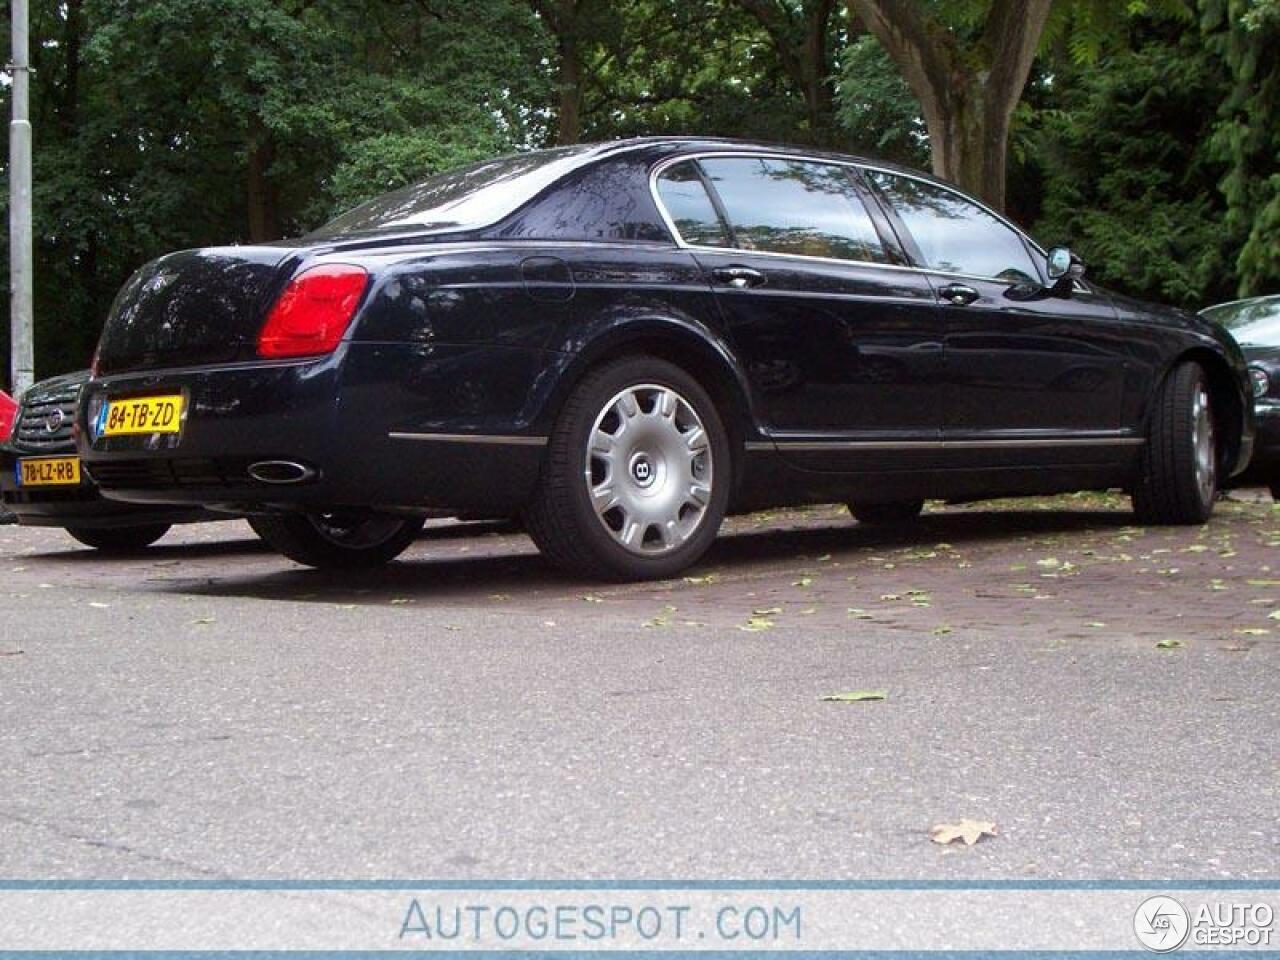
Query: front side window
[954,234]
[682,193]
[792,206]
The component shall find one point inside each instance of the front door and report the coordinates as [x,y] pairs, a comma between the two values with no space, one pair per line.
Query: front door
[1023,366]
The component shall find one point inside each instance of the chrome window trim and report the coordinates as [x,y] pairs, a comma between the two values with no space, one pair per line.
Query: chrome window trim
[680,242]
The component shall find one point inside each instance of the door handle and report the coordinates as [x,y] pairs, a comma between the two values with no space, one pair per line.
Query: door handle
[958,294]
[738,277]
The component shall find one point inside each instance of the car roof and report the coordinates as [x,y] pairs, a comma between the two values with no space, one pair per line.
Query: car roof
[673,146]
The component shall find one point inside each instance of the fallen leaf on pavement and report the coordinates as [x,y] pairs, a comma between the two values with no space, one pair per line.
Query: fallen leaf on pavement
[970,831]
[1168,644]
[855,696]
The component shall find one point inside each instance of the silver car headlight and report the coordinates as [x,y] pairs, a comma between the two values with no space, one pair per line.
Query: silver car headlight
[1261,382]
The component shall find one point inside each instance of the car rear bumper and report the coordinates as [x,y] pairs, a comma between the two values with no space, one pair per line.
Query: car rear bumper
[81,506]
[385,426]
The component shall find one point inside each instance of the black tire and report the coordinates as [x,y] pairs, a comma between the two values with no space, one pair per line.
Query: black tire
[561,519]
[1175,485]
[1274,487]
[120,539]
[894,514]
[342,541]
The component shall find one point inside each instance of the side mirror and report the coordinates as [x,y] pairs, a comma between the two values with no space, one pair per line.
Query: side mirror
[1064,264]
[1065,268]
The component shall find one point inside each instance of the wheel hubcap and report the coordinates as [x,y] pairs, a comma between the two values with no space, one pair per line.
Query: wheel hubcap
[1202,441]
[649,469]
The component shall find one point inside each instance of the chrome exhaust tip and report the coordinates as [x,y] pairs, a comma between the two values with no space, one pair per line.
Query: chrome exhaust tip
[280,472]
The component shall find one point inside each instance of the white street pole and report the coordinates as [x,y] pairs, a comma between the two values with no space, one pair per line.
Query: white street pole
[21,310]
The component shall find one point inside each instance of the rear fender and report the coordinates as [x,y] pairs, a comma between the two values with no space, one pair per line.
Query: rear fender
[678,339]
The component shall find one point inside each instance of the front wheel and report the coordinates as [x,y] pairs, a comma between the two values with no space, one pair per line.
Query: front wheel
[1178,478]
[339,540]
[120,539]
[637,474]
[896,513]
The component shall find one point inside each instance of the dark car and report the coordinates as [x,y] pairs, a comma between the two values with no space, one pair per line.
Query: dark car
[1255,324]
[621,342]
[42,483]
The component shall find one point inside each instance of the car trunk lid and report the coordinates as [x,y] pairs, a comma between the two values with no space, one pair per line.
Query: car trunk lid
[194,307]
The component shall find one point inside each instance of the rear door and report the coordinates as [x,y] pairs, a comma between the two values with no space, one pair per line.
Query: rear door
[841,340]
[1043,374]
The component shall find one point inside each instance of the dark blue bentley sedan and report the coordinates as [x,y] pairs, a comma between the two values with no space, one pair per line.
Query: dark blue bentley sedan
[622,342]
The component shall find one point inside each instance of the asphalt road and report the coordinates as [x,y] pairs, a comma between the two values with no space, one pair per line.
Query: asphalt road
[210,710]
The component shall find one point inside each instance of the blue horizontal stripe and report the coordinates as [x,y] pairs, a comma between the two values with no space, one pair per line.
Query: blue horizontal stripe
[675,885]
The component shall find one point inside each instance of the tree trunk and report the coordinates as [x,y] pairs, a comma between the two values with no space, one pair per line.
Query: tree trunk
[569,116]
[800,43]
[967,92]
[819,92]
[264,214]
[969,137]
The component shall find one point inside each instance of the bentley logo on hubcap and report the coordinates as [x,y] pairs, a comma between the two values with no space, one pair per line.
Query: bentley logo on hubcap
[642,471]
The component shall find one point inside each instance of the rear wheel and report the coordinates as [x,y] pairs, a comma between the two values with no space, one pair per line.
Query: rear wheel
[896,513]
[1179,472]
[120,539]
[636,479]
[342,539]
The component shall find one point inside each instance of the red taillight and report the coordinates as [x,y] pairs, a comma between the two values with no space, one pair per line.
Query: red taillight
[313,312]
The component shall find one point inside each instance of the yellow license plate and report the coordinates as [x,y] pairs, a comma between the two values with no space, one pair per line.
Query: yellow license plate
[140,415]
[49,472]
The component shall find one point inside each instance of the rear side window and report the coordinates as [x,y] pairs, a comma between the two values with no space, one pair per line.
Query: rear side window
[682,192]
[793,206]
[955,234]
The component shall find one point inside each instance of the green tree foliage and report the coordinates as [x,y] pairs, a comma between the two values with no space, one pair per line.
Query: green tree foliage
[1246,35]
[1127,177]
[876,112]
[1144,138]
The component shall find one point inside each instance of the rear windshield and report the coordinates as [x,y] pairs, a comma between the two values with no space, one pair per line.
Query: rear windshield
[472,196]
[1254,323]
